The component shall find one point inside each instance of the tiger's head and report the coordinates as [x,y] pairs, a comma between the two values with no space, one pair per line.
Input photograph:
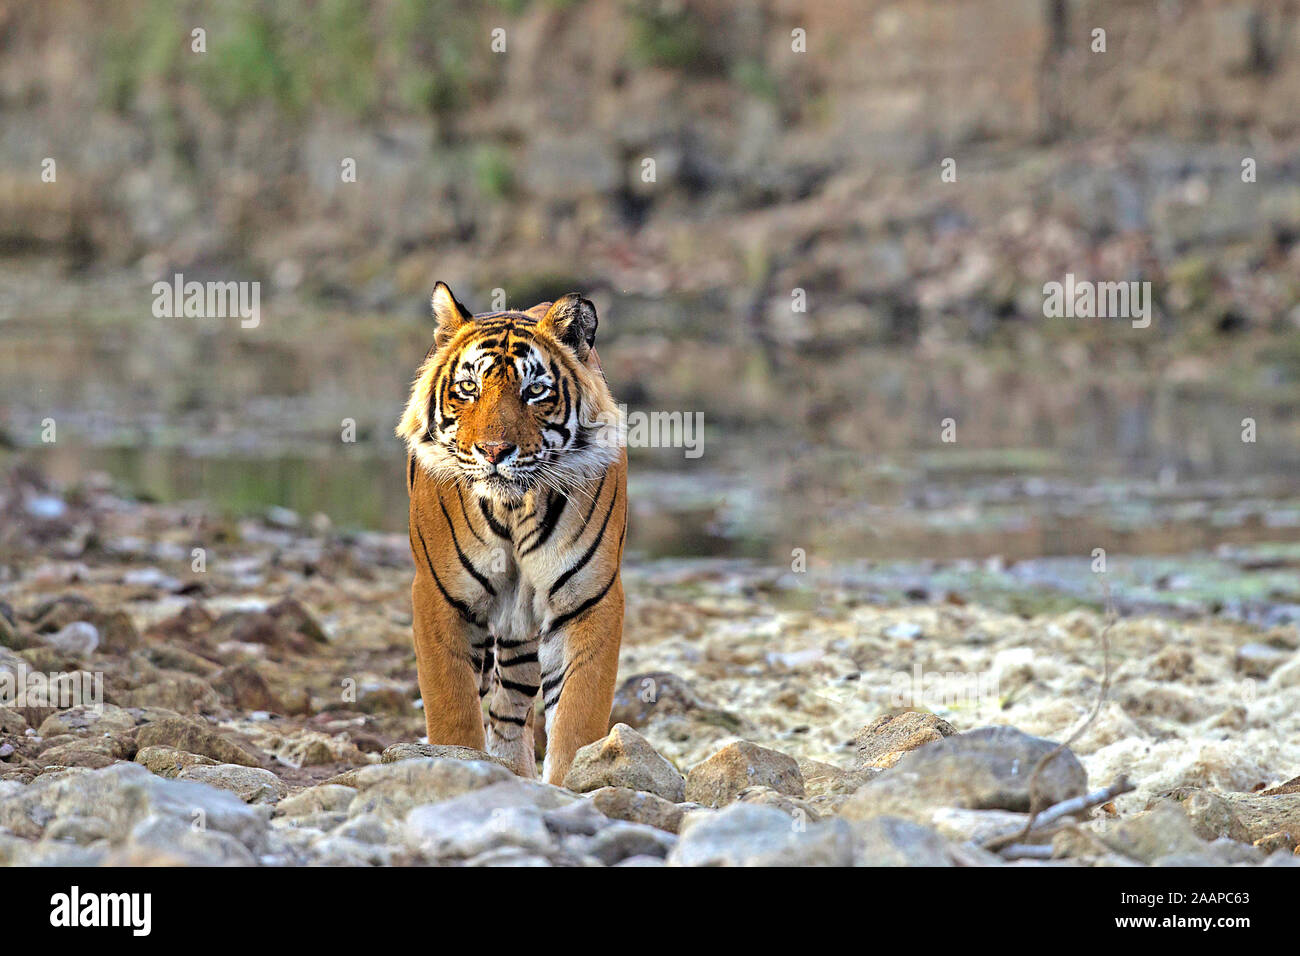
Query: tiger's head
[506,402]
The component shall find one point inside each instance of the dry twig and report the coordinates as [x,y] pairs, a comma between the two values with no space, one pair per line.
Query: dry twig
[1034,799]
[1008,843]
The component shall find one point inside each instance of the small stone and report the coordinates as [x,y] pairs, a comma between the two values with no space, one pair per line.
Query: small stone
[245,687]
[193,737]
[250,784]
[1244,817]
[175,658]
[1221,852]
[638,806]
[398,752]
[889,841]
[904,631]
[338,850]
[579,818]
[93,752]
[643,697]
[168,761]
[510,856]
[175,691]
[717,780]
[827,787]
[984,769]
[1291,786]
[746,834]
[117,633]
[504,814]
[883,741]
[1282,840]
[624,759]
[1161,832]
[313,749]
[12,637]
[1260,660]
[791,806]
[161,839]
[1172,663]
[290,614]
[79,639]
[368,828]
[620,840]
[325,797]
[88,720]
[393,789]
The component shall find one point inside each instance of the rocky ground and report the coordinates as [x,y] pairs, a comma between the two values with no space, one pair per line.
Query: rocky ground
[259,707]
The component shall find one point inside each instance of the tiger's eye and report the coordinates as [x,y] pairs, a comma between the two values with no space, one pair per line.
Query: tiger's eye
[467,388]
[536,390]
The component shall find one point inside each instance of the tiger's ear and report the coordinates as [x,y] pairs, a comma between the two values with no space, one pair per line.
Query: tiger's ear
[449,314]
[572,320]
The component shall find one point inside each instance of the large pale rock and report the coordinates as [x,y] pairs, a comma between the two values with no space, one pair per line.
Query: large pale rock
[120,797]
[717,780]
[307,748]
[250,784]
[883,741]
[624,758]
[985,769]
[638,806]
[92,752]
[88,719]
[1148,836]
[1244,817]
[163,840]
[392,789]
[621,840]
[827,786]
[506,814]
[193,737]
[337,850]
[411,751]
[746,834]
[326,797]
[889,841]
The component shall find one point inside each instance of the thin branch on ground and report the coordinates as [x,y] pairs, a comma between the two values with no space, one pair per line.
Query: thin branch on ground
[1004,842]
[1035,799]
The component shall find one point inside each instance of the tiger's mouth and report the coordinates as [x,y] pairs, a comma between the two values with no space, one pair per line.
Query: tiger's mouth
[504,487]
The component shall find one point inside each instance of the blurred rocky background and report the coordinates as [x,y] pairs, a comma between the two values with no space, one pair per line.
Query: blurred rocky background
[776,171]
[250,625]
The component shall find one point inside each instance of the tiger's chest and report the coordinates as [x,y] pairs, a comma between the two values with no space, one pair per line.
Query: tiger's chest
[523,557]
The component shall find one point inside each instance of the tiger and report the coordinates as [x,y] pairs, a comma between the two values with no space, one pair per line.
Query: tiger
[517,478]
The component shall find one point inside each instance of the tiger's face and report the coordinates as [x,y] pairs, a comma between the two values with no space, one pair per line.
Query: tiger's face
[506,402]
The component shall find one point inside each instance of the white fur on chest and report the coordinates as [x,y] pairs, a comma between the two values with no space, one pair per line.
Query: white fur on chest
[520,610]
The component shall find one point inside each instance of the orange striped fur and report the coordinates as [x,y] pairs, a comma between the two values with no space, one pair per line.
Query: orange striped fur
[518,490]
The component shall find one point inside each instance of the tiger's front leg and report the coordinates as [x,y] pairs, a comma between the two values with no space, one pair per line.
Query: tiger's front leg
[449,658]
[514,682]
[579,667]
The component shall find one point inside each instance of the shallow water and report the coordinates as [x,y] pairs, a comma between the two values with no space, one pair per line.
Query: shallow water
[252,420]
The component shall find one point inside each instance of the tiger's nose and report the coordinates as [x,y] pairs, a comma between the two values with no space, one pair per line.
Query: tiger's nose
[495,451]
